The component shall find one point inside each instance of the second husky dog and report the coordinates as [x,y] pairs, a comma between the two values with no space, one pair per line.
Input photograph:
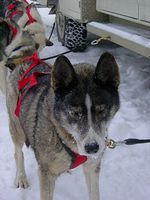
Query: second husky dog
[62,112]
[27,17]
[9,30]
[20,15]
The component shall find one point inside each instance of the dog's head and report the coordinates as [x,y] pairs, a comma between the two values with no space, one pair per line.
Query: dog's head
[86,99]
[15,43]
[21,44]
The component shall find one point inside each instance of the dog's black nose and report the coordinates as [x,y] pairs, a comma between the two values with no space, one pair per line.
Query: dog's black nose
[91,148]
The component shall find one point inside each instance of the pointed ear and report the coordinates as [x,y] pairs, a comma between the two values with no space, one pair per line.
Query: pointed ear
[63,74]
[107,72]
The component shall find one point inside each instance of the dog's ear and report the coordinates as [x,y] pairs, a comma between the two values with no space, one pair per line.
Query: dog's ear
[63,74]
[107,72]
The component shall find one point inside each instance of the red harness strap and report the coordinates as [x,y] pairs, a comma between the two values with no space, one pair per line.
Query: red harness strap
[13,30]
[78,160]
[14,13]
[26,82]
[13,9]
[10,6]
[31,19]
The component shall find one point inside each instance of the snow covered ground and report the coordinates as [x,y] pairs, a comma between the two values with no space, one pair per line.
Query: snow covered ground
[125,173]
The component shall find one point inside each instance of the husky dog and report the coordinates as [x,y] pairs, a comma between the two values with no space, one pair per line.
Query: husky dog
[28,18]
[9,30]
[19,16]
[66,113]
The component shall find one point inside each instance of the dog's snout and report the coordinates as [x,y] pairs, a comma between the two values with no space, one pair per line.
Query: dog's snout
[92,148]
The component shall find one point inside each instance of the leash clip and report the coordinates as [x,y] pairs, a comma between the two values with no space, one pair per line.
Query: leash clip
[130,141]
[110,143]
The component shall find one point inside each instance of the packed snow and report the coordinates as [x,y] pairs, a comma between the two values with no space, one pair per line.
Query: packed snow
[125,172]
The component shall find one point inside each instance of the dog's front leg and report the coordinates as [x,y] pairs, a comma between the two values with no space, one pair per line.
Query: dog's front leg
[91,170]
[21,180]
[47,184]
[3,76]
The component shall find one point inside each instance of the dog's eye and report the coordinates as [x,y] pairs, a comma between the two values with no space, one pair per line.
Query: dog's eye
[75,113]
[100,108]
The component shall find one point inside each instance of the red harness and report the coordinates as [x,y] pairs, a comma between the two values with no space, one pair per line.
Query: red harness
[13,30]
[28,81]
[15,11]
[31,19]
[12,5]
[77,160]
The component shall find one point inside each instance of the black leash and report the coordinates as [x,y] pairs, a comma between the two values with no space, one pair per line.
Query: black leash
[51,57]
[52,31]
[130,141]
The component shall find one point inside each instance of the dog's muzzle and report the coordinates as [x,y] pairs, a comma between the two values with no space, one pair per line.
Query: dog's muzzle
[91,148]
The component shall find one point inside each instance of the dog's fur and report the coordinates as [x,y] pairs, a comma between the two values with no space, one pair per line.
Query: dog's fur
[6,36]
[73,107]
[36,29]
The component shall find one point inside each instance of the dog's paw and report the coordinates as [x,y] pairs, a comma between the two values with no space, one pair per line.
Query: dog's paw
[21,181]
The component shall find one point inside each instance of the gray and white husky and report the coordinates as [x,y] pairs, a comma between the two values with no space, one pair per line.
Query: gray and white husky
[65,114]
[19,16]
[27,17]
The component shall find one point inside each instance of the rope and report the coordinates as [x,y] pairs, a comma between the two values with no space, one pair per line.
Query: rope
[96,42]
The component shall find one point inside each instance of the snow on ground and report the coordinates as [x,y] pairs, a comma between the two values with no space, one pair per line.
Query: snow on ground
[125,173]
